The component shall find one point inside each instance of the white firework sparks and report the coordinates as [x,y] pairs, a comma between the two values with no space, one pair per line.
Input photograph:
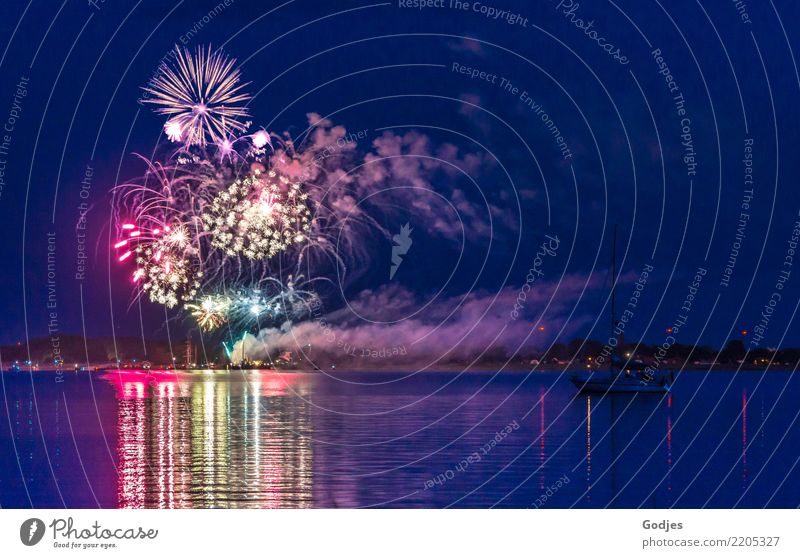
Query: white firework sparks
[211,311]
[201,95]
[258,217]
[261,139]
[192,222]
[163,262]
[268,304]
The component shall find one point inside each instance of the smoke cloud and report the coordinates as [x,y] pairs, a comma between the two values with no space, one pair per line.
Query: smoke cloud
[392,325]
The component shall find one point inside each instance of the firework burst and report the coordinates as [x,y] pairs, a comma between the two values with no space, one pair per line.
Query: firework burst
[243,307]
[221,225]
[258,217]
[163,258]
[211,311]
[201,95]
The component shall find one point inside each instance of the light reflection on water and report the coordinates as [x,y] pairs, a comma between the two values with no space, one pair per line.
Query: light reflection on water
[266,439]
[206,442]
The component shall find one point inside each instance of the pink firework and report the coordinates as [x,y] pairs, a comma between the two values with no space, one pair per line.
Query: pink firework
[162,257]
[261,139]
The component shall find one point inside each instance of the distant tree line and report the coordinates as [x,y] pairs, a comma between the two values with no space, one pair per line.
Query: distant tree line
[734,352]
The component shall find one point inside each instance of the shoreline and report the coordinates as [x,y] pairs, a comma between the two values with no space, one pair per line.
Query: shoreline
[389,369]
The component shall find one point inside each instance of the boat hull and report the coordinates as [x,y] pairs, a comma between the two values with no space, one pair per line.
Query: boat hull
[620,384]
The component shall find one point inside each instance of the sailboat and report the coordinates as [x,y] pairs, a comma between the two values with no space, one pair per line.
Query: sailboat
[620,377]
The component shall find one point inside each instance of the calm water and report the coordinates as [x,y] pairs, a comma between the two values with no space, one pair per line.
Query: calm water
[258,439]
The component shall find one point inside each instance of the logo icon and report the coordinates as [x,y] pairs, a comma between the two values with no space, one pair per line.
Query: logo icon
[31,531]
[402,243]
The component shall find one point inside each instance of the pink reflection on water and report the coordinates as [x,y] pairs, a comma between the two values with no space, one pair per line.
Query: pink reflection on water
[131,446]
[588,448]
[744,437]
[669,442]
[211,439]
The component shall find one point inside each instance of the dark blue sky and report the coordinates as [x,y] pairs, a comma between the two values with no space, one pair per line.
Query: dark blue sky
[82,67]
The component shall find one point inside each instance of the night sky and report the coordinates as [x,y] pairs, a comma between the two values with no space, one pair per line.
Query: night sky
[663,128]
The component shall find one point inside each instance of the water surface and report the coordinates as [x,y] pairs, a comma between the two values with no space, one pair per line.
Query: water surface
[266,439]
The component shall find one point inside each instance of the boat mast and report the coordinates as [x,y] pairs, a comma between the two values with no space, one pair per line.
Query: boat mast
[613,293]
